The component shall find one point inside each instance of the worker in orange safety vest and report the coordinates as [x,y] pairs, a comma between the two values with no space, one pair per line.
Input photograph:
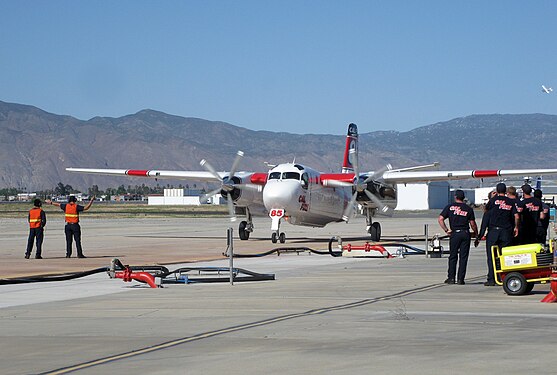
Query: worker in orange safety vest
[72,228]
[37,222]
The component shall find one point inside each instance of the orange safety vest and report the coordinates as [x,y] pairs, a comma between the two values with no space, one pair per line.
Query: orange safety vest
[35,217]
[72,216]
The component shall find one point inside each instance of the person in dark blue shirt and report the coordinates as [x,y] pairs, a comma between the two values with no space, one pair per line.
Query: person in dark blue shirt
[530,210]
[503,226]
[461,219]
[541,236]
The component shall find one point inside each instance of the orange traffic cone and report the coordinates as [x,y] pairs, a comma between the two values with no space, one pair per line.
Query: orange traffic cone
[552,295]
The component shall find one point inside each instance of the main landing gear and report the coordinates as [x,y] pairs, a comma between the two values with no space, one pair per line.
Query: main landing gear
[374,229]
[375,232]
[246,227]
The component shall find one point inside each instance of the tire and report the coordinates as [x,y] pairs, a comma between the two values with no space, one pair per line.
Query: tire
[529,288]
[515,284]
[282,238]
[375,232]
[243,233]
[274,237]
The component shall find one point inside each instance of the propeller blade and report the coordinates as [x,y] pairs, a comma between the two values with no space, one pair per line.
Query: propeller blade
[379,172]
[210,194]
[231,209]
[336,183]
[258,188]
[376,200]
[204,163]
[348,211]
[239,156]
[354,159]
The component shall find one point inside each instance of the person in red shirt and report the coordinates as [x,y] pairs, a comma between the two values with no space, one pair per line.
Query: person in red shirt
[72,228]
[37,222]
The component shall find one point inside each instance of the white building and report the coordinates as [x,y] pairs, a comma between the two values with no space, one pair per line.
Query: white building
[423,196]
[176,197]
[477,196]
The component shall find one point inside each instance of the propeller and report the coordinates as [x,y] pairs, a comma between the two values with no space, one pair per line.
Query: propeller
[362,187]
[227,184]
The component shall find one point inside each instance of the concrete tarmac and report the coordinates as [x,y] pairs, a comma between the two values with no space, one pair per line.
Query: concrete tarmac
[321,314]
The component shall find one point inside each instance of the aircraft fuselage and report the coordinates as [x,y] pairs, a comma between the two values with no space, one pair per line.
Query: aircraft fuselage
[297,190]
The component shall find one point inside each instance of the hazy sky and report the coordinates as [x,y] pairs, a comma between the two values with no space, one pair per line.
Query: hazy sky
[296,66]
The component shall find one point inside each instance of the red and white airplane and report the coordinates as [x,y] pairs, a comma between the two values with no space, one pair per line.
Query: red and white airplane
[303,196]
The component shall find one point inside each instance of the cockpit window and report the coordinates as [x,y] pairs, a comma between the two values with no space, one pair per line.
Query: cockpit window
[290,176]
[274,176]
[305,180]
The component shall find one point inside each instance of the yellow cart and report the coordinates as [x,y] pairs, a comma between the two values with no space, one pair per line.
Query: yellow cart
[519,268]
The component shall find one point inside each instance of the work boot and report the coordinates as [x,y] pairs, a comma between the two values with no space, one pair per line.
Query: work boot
[460,282]
[26,256]
[489,283]
[68,256]
[38,257]
[81,256]
[449,281]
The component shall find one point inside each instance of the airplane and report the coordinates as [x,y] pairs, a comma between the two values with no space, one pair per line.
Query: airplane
[300,195]
[547,90]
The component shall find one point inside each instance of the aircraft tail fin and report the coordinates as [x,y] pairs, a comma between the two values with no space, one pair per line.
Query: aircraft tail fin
[351,144]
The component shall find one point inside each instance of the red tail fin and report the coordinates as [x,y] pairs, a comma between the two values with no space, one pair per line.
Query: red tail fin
[351,144]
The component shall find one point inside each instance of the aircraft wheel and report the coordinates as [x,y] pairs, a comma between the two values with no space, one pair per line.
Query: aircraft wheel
[515,284]
[244,234]
[274,237]
[375,232]
[282,238]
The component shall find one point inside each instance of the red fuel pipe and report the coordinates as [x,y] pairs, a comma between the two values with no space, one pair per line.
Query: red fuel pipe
[128,275]
[367,248]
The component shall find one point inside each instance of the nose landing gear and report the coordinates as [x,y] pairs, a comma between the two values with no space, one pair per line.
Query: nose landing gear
[275,236]
[276,215]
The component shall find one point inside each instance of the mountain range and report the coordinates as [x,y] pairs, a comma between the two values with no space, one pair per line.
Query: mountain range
[37,146]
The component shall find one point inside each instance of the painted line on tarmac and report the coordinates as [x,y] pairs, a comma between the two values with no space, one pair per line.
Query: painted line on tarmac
[184,340]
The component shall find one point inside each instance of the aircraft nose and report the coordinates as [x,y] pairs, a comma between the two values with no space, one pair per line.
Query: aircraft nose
[281,194]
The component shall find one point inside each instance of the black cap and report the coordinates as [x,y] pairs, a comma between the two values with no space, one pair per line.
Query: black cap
[37,202]
[526,189]
[501,188]
[72,198]
[459,194]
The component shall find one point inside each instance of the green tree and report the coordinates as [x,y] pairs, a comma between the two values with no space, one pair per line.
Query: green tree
[60,189]
[94,190]
[121,190]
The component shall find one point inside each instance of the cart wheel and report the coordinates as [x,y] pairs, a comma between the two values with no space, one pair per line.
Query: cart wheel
[515,284]
[529,288]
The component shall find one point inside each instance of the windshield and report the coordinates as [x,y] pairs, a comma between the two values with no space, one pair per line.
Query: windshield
[290,176]
[284,175]
[274,176]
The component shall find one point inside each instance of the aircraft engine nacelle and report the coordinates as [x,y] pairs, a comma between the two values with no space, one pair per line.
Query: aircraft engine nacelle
[241,197]
[386,193]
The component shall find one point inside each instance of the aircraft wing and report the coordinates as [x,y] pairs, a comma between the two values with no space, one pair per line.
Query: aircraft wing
[405,177]
[203,176]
